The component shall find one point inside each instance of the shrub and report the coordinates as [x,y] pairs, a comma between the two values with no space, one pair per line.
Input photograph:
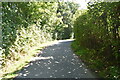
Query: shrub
[98,31]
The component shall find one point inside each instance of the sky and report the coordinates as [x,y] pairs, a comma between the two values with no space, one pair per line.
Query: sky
[83,3]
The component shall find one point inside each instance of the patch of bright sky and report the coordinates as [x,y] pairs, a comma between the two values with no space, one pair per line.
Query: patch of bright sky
[82,3]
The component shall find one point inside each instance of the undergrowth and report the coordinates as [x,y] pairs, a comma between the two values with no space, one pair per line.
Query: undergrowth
[25,46]
[96,63]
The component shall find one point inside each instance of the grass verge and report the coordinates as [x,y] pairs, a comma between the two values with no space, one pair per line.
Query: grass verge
[14,66]
[97,63]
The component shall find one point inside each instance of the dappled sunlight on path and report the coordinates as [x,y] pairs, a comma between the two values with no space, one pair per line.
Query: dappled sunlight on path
[56,61]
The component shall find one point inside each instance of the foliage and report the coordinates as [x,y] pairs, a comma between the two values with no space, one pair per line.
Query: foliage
[65,12]
[26,25]
[18,16]
[97,31]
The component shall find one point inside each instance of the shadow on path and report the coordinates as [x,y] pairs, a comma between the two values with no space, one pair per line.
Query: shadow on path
[56,61]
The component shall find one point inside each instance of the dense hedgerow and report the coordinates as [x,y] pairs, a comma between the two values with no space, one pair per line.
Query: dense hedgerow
[97,34]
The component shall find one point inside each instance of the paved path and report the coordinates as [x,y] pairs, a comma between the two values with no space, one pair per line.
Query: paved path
[56,61]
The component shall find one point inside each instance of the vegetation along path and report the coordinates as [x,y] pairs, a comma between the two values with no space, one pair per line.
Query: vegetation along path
[56,61]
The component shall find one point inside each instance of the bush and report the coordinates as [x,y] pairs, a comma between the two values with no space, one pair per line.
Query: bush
[97,31]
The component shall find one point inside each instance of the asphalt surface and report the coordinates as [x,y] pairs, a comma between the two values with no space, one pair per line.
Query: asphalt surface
[56,61]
